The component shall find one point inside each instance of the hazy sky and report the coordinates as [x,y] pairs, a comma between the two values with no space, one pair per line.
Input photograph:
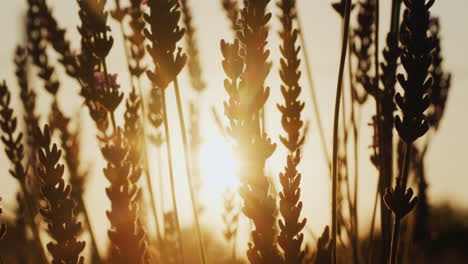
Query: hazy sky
[447,162]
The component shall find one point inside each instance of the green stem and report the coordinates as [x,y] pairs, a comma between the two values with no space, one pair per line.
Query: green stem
[188,171]
[339,88]
[171,174]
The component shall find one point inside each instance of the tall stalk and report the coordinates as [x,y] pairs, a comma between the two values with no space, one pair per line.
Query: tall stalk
[164,33]
[171,177]
[391,55]
[189,171]
[339,88]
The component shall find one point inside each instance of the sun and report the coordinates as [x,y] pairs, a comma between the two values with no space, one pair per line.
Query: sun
[219,168]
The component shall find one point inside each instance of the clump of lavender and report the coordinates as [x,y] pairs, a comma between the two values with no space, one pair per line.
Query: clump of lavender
[60,212]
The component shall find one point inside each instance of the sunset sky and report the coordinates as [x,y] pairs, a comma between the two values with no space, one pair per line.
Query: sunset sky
[447,163]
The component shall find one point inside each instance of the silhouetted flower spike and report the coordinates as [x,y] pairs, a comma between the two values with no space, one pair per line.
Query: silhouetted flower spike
[247,96]
[164,35]
[60,212]
[291,236]
[193,61]
[56,36]
[78,179]
[94,18]
[231,9]
[28,100]
[323,248]
[361,47]
[155,113]
[441,79]
[391,54]
[13,147]
[14,150]
[133,129]
[230,215]
[107,91]
[233,63]
[70,145]
[136,39]
[416,59]
[400,200]
[128,239]
[37,47]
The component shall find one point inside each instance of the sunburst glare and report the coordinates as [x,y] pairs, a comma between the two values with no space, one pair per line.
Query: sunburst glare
[219,167]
